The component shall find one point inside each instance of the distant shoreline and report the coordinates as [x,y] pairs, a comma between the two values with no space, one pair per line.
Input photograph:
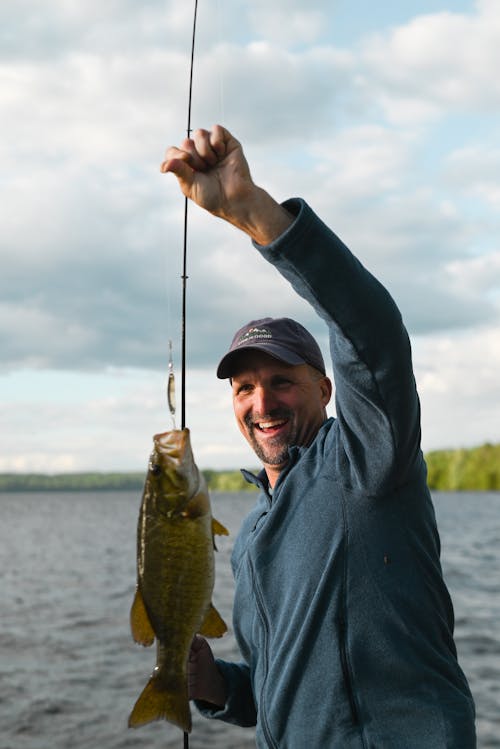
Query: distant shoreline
[231,481]
[472,469]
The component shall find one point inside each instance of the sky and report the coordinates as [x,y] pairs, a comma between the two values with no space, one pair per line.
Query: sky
[383,116]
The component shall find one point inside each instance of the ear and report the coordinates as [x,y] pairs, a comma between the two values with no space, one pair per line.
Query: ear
[326,389]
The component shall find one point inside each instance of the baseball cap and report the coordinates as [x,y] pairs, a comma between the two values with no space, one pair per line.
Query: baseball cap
[281,337]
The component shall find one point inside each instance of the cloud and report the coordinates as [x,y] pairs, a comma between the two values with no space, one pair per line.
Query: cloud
[287,25]
[475,168]
[435,63]
[56,30]
[92,234]
[457,377]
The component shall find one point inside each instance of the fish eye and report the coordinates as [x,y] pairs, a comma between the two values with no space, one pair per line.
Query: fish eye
[155,469]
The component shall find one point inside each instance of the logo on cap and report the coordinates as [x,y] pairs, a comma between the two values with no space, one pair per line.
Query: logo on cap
[255,334]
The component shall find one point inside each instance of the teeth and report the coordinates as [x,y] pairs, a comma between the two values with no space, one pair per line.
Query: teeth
[270,424]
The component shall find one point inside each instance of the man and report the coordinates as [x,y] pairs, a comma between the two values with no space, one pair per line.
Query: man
[341,614]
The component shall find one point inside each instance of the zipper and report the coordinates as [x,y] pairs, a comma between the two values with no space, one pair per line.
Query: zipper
[346,672]
[344,660]
[261,708]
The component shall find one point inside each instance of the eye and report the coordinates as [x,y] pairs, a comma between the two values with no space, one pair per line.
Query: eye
[155,469]
[281,382]
[246,388]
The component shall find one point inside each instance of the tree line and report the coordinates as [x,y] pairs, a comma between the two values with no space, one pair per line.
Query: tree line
[473,469]
[224,481]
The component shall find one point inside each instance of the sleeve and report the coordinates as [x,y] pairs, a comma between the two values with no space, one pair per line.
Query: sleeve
[240,706]
[377,406]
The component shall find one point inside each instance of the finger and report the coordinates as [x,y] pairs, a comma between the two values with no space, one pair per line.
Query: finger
[197,158]
[187,152]
[173,159]
[219,138]
[204,147]
[185,175]
[197,644]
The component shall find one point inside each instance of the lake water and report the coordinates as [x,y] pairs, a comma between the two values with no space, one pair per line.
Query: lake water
[69,670]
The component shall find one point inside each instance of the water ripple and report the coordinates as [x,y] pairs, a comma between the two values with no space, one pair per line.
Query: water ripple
[69,670]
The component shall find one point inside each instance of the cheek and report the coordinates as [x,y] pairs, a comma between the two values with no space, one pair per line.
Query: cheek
[240,421]
[239,412]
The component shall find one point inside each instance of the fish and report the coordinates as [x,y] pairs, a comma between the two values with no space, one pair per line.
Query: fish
[175,576]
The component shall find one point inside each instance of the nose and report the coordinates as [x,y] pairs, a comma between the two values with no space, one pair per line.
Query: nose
[264,401]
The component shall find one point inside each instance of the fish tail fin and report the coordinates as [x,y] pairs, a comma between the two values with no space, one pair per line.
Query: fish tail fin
[162,702]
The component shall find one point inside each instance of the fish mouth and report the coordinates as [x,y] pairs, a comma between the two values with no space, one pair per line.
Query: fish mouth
[173,450]
[172,444]
[173,458]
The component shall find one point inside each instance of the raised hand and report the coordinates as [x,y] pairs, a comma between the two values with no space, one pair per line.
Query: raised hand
[212,170]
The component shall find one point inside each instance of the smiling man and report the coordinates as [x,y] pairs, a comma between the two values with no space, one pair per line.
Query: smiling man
[341,613]
[280,389]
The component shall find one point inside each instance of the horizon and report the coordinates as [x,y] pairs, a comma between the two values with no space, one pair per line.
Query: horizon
[234,469]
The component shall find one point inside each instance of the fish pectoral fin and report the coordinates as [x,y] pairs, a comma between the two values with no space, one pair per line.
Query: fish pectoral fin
[213,624]
[162,702]
[142,631]
[218,529]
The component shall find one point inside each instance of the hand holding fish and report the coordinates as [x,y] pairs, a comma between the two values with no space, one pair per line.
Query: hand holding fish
[212,170]
[205,681]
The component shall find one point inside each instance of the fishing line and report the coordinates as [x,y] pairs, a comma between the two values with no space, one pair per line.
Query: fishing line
[222,36]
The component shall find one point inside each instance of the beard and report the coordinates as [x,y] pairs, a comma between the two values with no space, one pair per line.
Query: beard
[275,450]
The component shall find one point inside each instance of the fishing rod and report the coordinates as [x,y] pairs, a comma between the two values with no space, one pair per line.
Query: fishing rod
[171,377]
[184,253]
[184,277]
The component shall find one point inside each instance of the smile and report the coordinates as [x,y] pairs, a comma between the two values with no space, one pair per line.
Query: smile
[271,425]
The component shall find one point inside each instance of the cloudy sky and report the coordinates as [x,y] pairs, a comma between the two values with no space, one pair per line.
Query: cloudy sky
[383,116]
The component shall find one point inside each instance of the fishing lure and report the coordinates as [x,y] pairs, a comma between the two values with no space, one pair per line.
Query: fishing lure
[171,385]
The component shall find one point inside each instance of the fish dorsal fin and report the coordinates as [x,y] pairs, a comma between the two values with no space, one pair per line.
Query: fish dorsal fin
[142,631]
[213,624]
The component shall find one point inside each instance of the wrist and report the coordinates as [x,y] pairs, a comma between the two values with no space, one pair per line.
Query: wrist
[261,217]
[219,695]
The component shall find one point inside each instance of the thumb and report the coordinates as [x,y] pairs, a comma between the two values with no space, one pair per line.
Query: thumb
[198,644]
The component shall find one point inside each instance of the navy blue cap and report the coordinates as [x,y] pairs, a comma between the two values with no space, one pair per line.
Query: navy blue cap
[281,337]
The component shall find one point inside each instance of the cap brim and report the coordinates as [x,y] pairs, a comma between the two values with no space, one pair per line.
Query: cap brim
[227,365]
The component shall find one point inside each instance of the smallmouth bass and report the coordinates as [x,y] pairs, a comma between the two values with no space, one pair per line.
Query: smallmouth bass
[175,576]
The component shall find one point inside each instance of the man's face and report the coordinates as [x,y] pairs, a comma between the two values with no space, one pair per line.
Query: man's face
[277,405]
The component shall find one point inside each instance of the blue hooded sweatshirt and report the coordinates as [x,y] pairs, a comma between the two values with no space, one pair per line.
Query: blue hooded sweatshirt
[341,614]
